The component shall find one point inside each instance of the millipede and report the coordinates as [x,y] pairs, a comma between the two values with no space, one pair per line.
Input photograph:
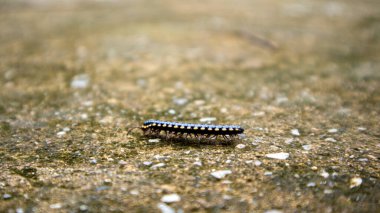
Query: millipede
[190,130]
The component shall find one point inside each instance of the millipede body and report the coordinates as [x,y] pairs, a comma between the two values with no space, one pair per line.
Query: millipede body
[188,129]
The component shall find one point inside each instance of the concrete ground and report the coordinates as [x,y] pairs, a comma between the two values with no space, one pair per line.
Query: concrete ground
[302,77]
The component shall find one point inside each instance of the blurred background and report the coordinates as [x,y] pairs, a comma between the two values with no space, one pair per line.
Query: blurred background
[75,74]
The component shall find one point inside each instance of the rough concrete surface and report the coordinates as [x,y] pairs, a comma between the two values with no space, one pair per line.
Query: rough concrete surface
[302,77]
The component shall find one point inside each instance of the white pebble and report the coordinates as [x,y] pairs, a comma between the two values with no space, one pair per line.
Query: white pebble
[165,208]
[84,116]
[56,206]
[207,119]
[221,173]
[197,163]
[289,140]
[19,210]
[257,163]
[328,191]
[279,156]
[147,163]
[330,140]
[66,129]
[155,140]
[121,162]
[307,147]
[355,182]
[171,198]
[268,173]
[332,130]
[314,168]
[226,197]
[240,146]
[180,101]
[172,111]
[362,128]
[93,161]
[295,132]
[83,208]
[324,174]
[228,161]
[134,192]
[80,81]
[158,165]
[273,211]
[249,161]
[61,134]
[311,184]
[7,196]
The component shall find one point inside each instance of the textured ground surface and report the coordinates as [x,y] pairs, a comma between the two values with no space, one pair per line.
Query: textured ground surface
[303,77]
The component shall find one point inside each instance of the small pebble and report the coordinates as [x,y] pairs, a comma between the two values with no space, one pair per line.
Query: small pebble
[180,101]
[330,140]
[7,196]
[121,162]
[314,168]
[228,161]
[197,163]
[240,146]
[324,174]
[84,116]
[147,163]
[107,181]
[328,191]
[311,184]
[56,206]
[268,173]
[83,208]
[295,132]
[257,163]
[249,161]
[155,140]
[273,211]
[165,208]
[134,192]
[61,134]
[332,130]
[362,128]
[307,147]
[289,140]
[93,161]
[158,165]
[172,111]
[355,182]
[19,210]
[279,156]
[171,198]
[221,173]
[207,119]
[80,81]
[226,197]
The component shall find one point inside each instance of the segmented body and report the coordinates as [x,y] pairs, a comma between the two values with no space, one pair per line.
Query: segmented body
[191,130]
